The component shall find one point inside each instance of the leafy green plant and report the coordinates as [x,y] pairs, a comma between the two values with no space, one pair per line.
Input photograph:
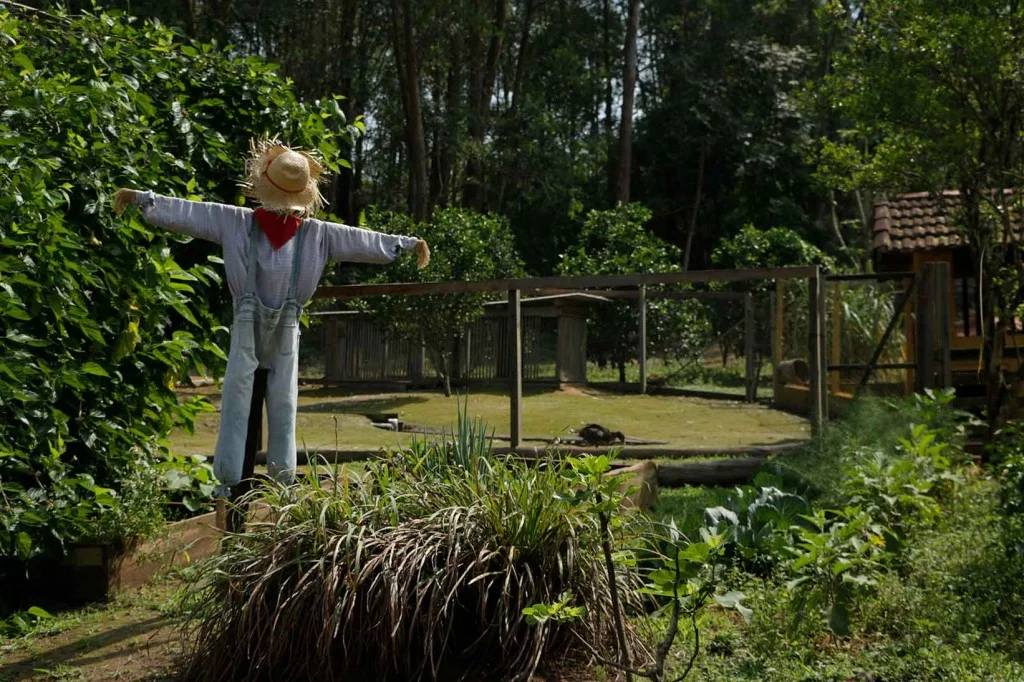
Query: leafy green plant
[935,409]
[835,559]
[1008,456]
[899,491]
[23,622]
[687,578]
[761,521]
[188,482]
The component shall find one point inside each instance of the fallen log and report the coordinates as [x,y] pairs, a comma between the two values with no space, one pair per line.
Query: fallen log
[332,456]
[719,472]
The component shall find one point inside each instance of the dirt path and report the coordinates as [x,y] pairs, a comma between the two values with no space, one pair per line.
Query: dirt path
[130,639]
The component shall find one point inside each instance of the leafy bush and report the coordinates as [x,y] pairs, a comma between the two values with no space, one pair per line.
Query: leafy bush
[423,567]
[772,248]
[904,490]
[99,318]
[872,425]
[615,242]
[1008,456]
[834,562]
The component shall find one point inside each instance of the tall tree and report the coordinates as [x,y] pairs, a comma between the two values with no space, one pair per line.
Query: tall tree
[628,95]
[407,65]
[483,70]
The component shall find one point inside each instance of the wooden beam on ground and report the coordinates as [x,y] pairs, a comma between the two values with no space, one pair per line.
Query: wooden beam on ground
[721,472]
[555,451]
[532,284]
[642,345]
[748,347]
[515,343]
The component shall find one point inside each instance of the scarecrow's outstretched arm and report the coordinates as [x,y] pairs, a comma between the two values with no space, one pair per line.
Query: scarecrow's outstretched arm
[200,219]
[356,245]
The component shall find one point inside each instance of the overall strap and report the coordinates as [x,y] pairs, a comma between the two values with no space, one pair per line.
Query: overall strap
[296,256]
[250,267]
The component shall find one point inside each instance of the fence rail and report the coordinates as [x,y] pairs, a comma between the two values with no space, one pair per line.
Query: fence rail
[532,284]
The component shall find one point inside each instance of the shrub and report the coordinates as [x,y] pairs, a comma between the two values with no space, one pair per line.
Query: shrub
[99,318]
[422,568]
[615,242]
[471,246]
[1008,456]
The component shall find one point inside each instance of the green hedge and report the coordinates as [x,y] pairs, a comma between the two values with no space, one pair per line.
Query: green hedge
[99,316]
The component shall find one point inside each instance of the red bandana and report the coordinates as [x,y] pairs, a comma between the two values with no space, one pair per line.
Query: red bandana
[279,227]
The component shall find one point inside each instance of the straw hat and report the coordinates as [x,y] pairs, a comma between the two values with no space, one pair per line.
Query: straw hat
[283,179]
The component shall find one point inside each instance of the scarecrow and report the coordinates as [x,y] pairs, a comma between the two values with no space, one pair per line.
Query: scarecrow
[273,257]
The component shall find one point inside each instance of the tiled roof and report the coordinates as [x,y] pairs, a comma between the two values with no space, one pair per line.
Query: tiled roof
[919,222]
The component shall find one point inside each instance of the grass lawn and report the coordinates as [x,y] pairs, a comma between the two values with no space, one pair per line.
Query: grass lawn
[325,414]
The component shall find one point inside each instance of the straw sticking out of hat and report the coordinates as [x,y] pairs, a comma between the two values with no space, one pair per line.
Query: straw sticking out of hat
[283,179]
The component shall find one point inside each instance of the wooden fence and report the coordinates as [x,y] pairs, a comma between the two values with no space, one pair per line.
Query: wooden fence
[638,283]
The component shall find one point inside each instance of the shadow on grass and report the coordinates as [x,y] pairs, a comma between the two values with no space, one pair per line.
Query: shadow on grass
[76,653]
[360,405]
[360,401]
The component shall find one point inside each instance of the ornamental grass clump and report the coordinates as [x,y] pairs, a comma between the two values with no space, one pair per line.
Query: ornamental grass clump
[419,569]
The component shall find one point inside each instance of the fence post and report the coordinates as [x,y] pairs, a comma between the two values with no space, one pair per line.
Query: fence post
[515,344]
[835,378]
[943,326]
[748,347]
[779,308]
[925,327]
[642,349]
[816,350]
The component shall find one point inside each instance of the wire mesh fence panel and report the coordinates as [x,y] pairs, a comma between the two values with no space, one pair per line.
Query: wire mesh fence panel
[790,315]
[858,315]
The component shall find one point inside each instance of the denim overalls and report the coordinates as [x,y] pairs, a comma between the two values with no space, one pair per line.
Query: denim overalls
[260,337]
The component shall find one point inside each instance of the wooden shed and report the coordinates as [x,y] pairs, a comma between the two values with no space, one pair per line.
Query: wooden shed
[913,229]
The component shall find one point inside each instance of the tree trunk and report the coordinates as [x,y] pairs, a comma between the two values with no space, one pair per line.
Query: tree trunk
[609,135]
[834,219]
[622,370]
[483,72]
[453,105]
[343,185]
[517,81]
[190,17]
[628,94]
[407,65]
[446,362]
[698,195]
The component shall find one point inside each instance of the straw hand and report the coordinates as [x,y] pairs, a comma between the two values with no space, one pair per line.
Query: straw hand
[422,254]
[122,198]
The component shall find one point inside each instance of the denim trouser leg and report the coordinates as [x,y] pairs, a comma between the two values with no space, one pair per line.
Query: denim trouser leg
[235,403]
[282,399]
